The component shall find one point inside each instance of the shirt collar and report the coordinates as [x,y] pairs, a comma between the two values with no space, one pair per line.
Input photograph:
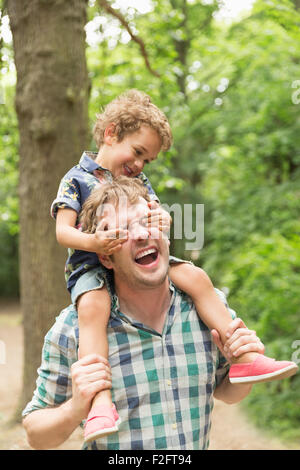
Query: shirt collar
[116,312]
[87,162]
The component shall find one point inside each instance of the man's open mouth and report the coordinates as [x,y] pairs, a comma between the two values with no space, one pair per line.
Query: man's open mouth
[147,257]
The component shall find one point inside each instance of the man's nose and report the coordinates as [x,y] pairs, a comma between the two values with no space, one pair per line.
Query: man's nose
[140,232]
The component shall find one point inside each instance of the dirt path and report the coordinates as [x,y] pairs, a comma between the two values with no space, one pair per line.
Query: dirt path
[230,429]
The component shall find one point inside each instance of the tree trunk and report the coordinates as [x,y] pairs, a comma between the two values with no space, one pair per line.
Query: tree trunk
[297,4]
[51,103]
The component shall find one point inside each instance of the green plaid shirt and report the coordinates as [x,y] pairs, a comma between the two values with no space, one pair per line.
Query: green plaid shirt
[163,384]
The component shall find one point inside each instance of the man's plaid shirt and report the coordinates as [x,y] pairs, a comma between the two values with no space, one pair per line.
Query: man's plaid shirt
[163,384]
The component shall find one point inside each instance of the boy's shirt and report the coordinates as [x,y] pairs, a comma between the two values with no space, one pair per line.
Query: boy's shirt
[75,187]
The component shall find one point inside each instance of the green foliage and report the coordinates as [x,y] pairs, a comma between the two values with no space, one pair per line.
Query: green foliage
[265,285]
[264,279]
[251,183]
[9,214]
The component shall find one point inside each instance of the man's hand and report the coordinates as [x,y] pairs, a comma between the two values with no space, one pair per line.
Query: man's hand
[240,340]
[90,375]
[49,427]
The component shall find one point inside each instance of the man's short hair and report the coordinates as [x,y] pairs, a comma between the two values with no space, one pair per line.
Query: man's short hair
[110,193]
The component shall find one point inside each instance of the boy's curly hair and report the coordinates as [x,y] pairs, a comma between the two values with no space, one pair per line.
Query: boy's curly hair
[129,112]
[110,193]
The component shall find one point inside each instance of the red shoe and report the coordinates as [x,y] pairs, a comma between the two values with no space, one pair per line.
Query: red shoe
[263,369]
[102,420]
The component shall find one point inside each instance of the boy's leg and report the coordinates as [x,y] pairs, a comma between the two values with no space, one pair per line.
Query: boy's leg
[212,311]
[93,313]
[247,368]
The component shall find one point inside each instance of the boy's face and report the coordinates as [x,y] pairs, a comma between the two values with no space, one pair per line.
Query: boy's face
[129,156]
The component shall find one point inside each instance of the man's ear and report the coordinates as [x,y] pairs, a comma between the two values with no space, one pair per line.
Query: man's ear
[110,134]
[106,261]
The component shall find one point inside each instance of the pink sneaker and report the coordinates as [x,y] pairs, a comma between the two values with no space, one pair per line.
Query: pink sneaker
[263,369]
[102,420]
[116,415]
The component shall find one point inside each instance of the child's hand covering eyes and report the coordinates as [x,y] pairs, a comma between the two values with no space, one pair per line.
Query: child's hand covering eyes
[158,217]
[109,240]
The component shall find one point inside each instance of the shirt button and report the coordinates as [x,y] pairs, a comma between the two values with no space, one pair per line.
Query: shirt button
[174,426]
[169,382]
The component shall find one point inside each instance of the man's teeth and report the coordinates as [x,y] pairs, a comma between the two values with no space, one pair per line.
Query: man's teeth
[145,253]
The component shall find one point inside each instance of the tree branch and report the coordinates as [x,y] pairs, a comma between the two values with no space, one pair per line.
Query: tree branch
[1,38]
[107,7]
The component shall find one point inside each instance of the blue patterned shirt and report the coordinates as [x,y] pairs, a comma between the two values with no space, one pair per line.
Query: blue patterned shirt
[75,187]
[162,384]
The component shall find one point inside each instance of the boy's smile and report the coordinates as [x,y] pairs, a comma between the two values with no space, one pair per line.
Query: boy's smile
[128,156]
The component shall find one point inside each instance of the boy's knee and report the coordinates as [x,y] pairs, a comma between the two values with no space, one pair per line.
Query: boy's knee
[191,276]
[93,302]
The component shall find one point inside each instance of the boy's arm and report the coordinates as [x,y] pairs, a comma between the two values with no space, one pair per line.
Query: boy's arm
[65,209]
[69,236]
[103,241]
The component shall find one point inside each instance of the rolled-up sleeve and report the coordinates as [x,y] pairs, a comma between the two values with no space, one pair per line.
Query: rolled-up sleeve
[54,385]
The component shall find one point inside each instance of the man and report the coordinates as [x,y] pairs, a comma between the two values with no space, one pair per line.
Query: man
[165,367]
